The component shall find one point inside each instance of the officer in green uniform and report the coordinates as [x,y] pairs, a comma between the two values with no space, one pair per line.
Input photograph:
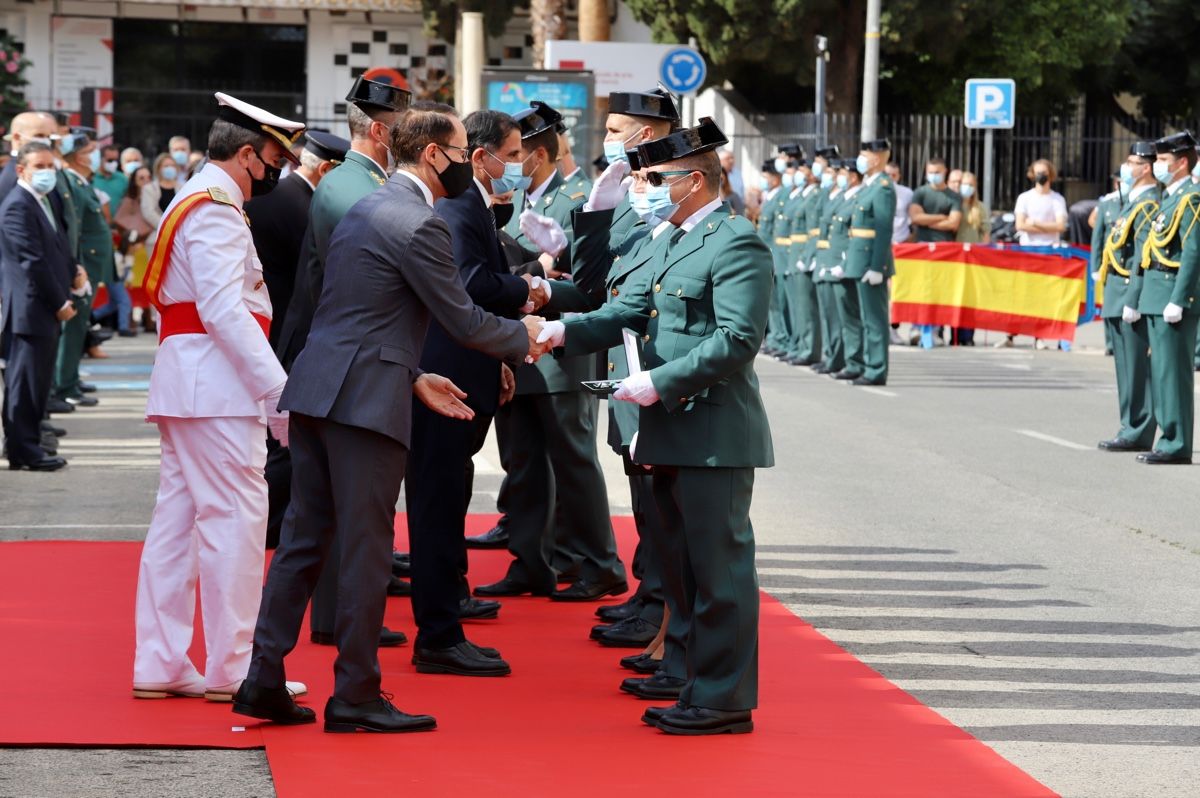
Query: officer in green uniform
[702,426]
[548,430]
[91,243]
[1120,253]
[869,257]
[1108,208]
[574,176]
[783,335]
[845,289]
[374,109]
[772,193]
[1166,295]
[815,254]
[804,348]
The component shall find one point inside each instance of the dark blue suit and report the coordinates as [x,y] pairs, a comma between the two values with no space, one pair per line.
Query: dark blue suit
[438,492]
[37,270]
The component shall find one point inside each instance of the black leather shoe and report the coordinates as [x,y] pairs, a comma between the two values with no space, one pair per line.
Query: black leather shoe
[653,715]
[510,587]
[802,361]
[45,464]
[463,659]
[846,375]
[56,405]
[399,587]
[658,687]
[487,651]
[387,638]
[270,703]
[82,401]
[698,720]
[100,335]
[1121,445]
[867,381]
[611,613]
[49,444]
[379,715]
[641,663]
[87,387]
[629,633]
[583,590]
[566,576]
[821,368]
[58,432]
[494,538]
[1160,458]
[472,609]
[401,563]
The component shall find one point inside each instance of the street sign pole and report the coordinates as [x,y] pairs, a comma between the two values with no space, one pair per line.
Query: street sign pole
[819,104]
[988,171]
[870,95]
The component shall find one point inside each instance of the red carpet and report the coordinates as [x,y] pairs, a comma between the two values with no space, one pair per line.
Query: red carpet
[828,726]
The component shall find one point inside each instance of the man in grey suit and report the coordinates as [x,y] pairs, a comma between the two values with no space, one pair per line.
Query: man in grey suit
[390,268]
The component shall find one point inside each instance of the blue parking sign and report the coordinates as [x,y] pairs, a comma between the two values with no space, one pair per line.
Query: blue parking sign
[991,103]
[682,70]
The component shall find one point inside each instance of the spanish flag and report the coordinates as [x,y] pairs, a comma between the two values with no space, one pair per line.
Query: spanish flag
[981,287]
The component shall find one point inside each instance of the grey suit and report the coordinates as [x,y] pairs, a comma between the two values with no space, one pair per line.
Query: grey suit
[390,267]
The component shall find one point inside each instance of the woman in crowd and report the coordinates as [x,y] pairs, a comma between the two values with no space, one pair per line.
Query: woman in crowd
[976,227]
[135,231]
[158,193]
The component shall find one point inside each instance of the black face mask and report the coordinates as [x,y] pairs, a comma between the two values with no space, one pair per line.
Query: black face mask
[270,178]
[1041,178]
[503,213]
[456,177]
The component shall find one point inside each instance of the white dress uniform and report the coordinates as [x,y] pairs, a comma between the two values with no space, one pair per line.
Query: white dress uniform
[207,395]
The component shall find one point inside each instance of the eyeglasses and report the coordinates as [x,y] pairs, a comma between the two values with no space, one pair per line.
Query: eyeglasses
[657,179]
[464,153]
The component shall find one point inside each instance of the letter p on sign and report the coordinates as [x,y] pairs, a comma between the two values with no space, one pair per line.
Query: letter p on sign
[990,103]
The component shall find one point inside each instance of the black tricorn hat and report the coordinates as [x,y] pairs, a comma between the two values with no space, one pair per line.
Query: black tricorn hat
[374,94]
[876,145]
[635,163]
[538,118]
[655,104]
[829,153]
[1176,143]
[768,166]
[793,150]
[1142,149]
[326,145]
[704,137]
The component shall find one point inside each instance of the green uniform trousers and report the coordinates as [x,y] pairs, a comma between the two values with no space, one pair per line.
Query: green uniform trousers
[706,512]
[804,316]
[832,353]
[1172,381]
[70,349]
[780,325]
[1131,356]
[850,320]
[876,330]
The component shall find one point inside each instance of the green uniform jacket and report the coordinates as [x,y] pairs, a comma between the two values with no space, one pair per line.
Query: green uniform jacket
[336,194]
[823,252]
[554,374]
[768,217]
[578,182]
[840,220]
[1122,250]
[871,250]
[95,236]
[702,304]
[1174,242]
[784,204]
[792,228]
[1107,210]
[803,241]
[72,216]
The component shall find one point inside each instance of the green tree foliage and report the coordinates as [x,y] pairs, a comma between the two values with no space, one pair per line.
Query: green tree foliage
[13,64]
[1156,61]
[441,16]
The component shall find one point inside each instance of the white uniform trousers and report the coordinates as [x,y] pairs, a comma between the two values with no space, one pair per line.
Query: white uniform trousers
[209,522]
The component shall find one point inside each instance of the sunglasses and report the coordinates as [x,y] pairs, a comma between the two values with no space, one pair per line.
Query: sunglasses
[657,179]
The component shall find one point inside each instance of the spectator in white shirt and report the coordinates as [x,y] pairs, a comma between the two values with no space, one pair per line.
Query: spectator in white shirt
[900,222]
[1041,211]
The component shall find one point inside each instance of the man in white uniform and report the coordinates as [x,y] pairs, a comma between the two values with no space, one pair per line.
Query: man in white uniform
[213,393]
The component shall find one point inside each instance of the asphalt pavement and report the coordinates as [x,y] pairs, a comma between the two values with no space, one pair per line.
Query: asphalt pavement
[956,529]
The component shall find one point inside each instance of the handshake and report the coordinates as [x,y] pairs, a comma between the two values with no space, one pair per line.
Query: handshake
[544,336]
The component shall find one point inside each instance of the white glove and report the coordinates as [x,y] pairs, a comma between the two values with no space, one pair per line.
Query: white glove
[1172,313]
[1130,315]
[873,277]
[637,388]
[1096,276]
[544,232]
[277,420]
[822,273]
[553,331]
[812,267]
[609,188]
[801,266]
[837,272]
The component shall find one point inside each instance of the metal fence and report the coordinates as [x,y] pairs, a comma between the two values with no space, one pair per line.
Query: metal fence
[1085,150]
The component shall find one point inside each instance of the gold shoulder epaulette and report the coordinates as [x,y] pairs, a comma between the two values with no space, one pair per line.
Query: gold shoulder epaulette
[883,182]
[219,194]
[578,195]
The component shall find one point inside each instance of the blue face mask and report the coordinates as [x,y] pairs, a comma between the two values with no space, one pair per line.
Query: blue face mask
[966,191]
[513,179]
[654,206]
[780,165]
[1126,175]
[615,150]
[764,184]
[843,182]
[817,168]
[789,179]
[1162,172]
[180,157]
[94,160]
[826,179]
[935,178]
[169,173]
[43,181]
[861,165]
[131,167]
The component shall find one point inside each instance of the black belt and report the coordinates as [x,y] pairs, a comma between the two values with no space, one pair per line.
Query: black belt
[1162,267]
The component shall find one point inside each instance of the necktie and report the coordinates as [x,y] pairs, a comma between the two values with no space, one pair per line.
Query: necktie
[45,203]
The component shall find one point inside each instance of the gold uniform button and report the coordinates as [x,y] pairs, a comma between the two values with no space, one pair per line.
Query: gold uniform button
[616,259]
[657,288]
[612,367]
[678,292]
[645,337]
[615,292]
[653,314]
